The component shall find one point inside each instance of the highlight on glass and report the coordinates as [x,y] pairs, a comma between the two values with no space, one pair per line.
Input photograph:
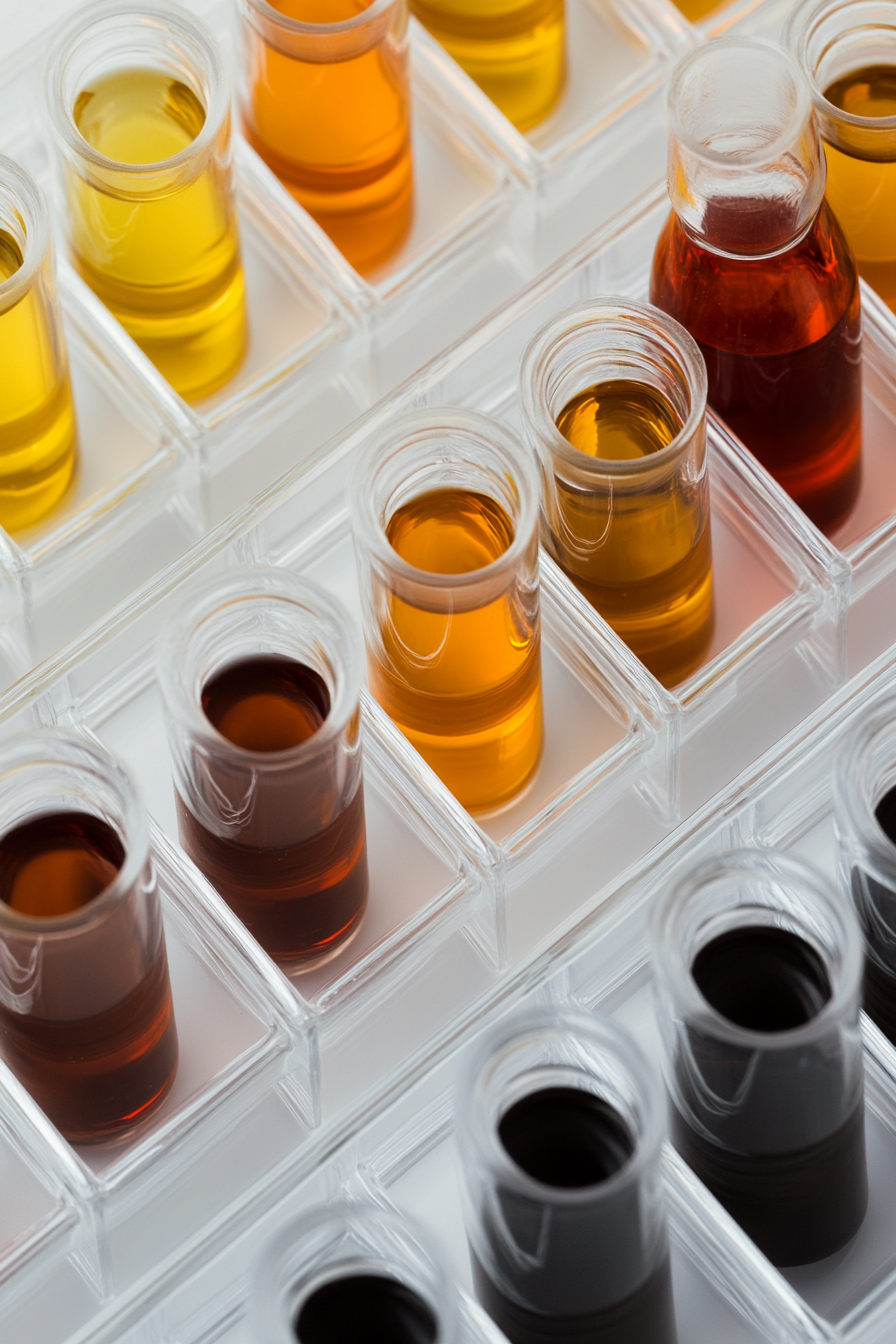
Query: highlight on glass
[754,264]
[350,1274]
[139,100]
[758,967]
[614,402]
[515,50]
[38,433]
[847,49]
[445,514]
[326,101]
[86,1017]
[260,674]
[560,1124]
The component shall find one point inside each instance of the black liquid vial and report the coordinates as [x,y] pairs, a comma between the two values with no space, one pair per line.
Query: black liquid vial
[365,1309]
[774,1144]
[589,1284]
[875,906]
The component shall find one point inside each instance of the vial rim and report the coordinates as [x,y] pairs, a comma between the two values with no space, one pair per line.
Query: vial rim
[301,28]
[30,204]
[798,33]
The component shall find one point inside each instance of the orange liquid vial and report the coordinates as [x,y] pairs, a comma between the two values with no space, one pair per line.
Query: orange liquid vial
[326,103]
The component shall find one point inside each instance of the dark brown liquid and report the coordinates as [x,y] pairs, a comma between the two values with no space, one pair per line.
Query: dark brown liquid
[365,1309]
[93,1075]
[875,906]
[298,900]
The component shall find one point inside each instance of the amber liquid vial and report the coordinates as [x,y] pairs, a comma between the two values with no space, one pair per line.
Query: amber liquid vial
[445,531]
[326,103]
[261,679]
[626,495]
[759,272]
[140,105]
[38,437]
[86,1017]
[514,51]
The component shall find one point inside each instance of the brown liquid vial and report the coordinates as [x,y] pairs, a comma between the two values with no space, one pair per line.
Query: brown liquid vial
[94,1074]
[300,898]
[464,686]
[642,558]
[781,337]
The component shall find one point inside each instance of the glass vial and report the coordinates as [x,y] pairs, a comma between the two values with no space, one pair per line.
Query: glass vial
[513,49]
[86,1020]
[326,102]
[352,1274]
[445,513]
[847,50]
[758,969]
[755,266]
[865,821]
[139,101]
[560,1125]
[38,434]
[260,675]
[614,403]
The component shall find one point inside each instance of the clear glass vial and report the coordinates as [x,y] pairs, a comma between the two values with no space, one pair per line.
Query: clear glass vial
[758,966]
[86,1018]
[560,1124]
[630,530]
[38,435]
[350,1274]
[445,515]
[260,674]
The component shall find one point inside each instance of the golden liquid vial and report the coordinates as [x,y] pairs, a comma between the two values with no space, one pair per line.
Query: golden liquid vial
[862,193]
[464,685]
[695,11]
[640,555]
[38,439]
[515,52]
[161,251]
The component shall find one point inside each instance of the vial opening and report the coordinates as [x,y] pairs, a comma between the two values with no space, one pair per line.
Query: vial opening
[11,256]
[365,1309]
[58,863]
[450,531]
[867,92]
[740,101]
[138,116]
[619,420]
[762,978]
[566,1137]
[266,704]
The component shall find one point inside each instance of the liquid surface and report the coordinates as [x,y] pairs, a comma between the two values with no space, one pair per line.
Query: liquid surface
[619,421]
[163,256]
[762,978]
[266,704]
[337,133]
[463,685]
[862,193]
[365,1309]
[57,863]
[514,51]
[565,1137]
[697,10]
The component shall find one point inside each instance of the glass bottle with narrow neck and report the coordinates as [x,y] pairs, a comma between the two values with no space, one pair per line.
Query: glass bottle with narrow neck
[754,265]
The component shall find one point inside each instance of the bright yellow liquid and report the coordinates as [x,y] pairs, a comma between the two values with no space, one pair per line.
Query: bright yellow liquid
[514,51]
[463,686]
[642,558]
[164,259]
[862,194]
[38,440]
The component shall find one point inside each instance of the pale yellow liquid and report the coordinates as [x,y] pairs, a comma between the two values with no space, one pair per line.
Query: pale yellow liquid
[165,262]
[38,441]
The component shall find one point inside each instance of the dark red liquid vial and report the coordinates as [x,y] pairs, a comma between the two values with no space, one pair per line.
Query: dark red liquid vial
[91,1034]
[293,868]
[781,337]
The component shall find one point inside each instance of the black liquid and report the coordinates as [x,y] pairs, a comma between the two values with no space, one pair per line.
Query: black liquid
[876,907]
[365,1309]
[574,1271]
[773,1142]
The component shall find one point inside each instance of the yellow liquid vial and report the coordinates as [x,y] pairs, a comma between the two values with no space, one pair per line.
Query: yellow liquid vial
[862,193]
[695,11]
[161,250]
[38,439]
[514,52]
[642,557]
[463,685]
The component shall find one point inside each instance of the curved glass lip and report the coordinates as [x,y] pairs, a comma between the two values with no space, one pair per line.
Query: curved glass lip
[775,148]
[798,33]
[591,312]
[477,1132]
[433,422]
[54,747]
[30,204]
[850,796]
[304,29]
[244,585]
[96,16]
[671,969]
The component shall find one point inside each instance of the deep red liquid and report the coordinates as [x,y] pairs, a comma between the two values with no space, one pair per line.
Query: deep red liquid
[781,337]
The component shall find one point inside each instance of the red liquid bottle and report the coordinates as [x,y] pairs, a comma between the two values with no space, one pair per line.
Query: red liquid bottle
[753,263]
